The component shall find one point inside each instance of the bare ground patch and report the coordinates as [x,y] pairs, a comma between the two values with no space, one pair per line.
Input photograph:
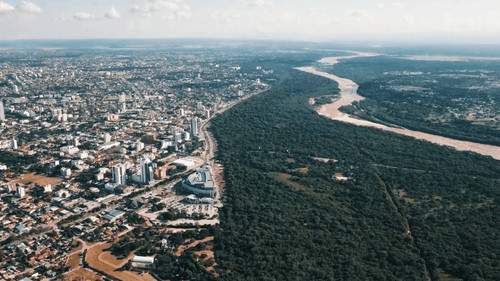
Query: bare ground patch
[99,259]
[178,252]
[303,170]
[73,261]
[81,274]
[37,179]
[285,178]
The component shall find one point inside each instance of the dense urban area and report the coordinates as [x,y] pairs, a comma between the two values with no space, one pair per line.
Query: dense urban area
[95,144]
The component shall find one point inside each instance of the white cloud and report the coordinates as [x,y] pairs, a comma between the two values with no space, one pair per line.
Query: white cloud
[227,17]
[358,14]
[262,3]
[83,16]
[29,7]
[156,6]
[183,14]
[257,3]
[112,14]
[394,4]
[5,8]
[175,9]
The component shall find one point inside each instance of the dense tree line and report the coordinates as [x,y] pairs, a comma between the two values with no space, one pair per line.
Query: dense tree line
[311,227]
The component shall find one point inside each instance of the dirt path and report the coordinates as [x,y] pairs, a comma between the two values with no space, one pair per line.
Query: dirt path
[182,248]
[348,94]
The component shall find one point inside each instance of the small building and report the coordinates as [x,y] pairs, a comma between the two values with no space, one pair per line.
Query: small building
[142,262]
[21,228]
[114,215]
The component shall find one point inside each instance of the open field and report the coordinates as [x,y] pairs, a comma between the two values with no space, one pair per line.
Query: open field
[81,274]
[37,179]
[109,258]
[73,261]
[99,259]
[285,178]
[303,170]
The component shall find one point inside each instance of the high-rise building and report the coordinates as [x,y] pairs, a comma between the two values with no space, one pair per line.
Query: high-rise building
[2,112]
[147,171]
[13,144]
[194,126]
[76,142]
[20,192]
[178,137]
[119,174]
[107,138]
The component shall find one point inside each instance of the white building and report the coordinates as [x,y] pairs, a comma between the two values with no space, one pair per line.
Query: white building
[149,260]
[69,149]
[107,138]
[142,262]
[119,173]
[20,192]
[66,172]
[201,182]
[178,137]
[2,112]
[147,170]
[166,144]
[139,146]
[76,141]
[13,144]
[113,117]
[83,155]
[194,126]
[122,98]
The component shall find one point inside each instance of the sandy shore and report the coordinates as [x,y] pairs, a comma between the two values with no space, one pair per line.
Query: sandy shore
[448,58]
[334,60]
[348,94]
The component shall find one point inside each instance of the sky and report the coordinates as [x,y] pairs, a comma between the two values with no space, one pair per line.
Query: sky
[442,21]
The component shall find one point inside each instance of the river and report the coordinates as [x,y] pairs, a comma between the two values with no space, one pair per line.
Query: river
[348,94]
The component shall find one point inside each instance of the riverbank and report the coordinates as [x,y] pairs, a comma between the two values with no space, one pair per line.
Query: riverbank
[348,94]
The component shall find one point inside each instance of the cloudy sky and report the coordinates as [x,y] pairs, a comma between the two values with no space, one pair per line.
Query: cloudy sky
[316,20]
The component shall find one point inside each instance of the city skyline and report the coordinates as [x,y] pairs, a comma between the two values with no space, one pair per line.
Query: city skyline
[376,21]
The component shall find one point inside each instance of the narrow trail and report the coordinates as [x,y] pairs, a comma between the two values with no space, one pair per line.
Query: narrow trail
[389,195]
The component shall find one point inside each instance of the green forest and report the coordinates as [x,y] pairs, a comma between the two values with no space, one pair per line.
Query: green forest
[409,210]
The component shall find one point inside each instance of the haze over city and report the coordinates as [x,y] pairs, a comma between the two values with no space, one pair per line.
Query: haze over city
[443,21]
